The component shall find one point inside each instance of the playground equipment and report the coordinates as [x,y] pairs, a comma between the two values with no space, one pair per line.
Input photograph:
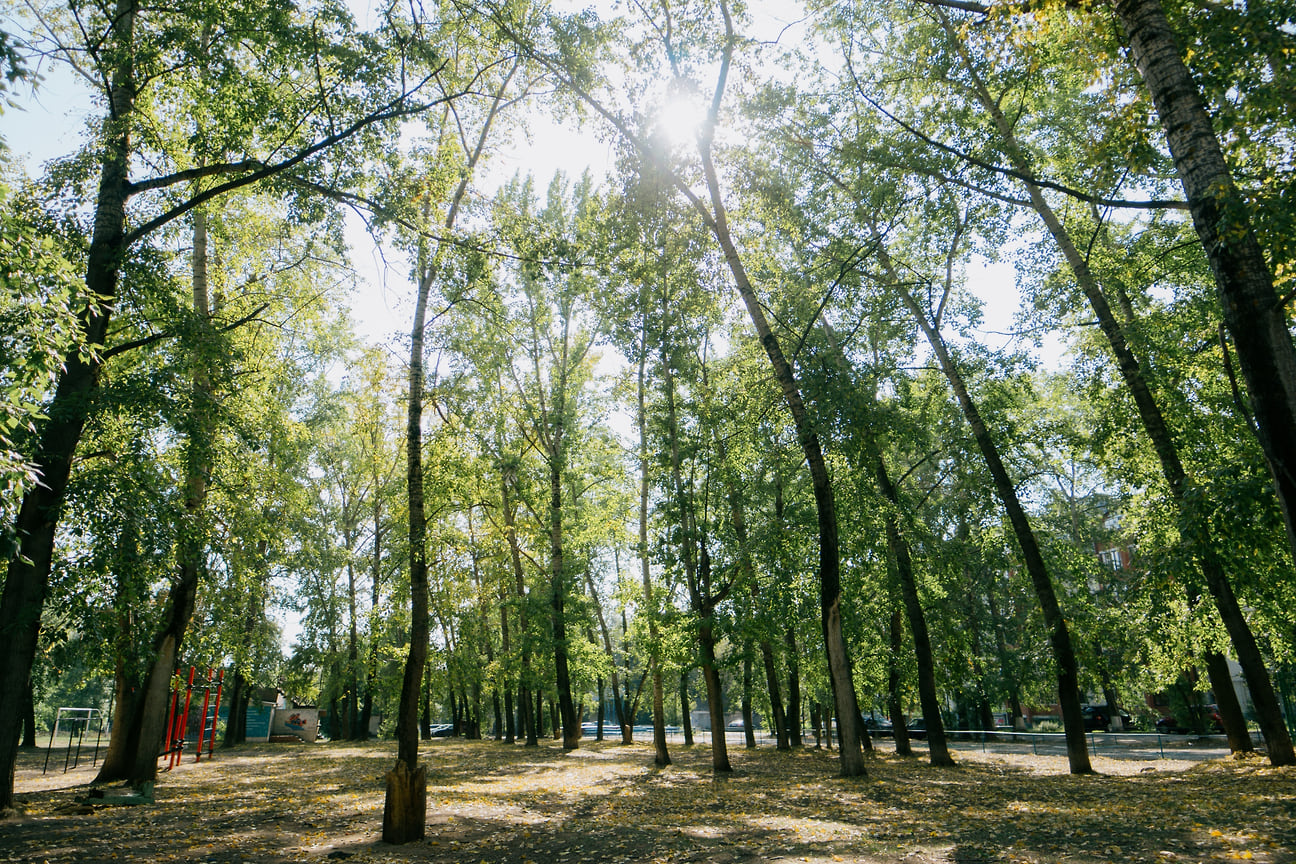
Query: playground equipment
[77,721]
[173,742]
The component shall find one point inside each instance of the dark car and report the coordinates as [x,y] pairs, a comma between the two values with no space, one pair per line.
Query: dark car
[878,727]
[917,728]
[1171,726]
[1100,717]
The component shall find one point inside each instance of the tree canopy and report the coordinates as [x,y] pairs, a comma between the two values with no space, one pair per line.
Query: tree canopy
[723,435]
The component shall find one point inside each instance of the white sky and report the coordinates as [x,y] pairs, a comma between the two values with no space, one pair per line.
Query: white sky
[48,123]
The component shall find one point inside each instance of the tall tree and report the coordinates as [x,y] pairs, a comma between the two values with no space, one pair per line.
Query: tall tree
[709,206]
[289,134]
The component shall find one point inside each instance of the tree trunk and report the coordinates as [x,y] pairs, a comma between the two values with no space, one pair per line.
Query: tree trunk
[510,730]
[1068,674]
[715,703]
[686,707]
[749,726]
[1001,651]
[927,696]
[839,664]
[1252,310]
[27,580]
[1193,528]
[793,715]
[526,719]
[405,811]
[29,718]
[145,730]
[405,808]
[236,699]
[558,588]
[661,755]
[900,553]
[895,700]
[738,516]
[375,571]
[623,722]
[353,729]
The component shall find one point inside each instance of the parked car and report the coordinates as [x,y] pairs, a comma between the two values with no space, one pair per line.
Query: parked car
[1099,717]
[1171,726]
[442,730]
[878,727]
[917,728]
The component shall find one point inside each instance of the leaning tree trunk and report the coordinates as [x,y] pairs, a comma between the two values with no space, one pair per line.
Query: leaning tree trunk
[937,748]
[839,664]
[1193,527]
[895,704]
[27,579]
[1068,670]
[137,763]
[1253,312]
[900,553]
[713,214]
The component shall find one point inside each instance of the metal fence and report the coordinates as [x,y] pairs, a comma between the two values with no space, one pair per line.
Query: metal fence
[1112,745]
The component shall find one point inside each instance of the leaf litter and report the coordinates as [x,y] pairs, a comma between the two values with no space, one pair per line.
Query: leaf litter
[489,803]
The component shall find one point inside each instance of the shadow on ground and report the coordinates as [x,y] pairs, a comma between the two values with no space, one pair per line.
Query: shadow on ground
[495,804]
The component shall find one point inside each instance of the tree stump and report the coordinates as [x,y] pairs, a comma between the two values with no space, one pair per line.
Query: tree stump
[405,812]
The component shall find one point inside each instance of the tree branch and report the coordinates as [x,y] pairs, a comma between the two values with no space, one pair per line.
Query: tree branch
[1153,204]
[393,110]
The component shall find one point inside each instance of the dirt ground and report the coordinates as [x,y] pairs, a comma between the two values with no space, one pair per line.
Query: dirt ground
[494,804]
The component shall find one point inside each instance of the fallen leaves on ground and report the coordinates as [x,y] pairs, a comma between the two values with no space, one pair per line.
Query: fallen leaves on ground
[489,803]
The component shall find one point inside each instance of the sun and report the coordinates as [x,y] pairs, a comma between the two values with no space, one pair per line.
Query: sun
[682,115]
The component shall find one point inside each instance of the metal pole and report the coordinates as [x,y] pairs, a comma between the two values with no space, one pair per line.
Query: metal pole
[170,725]
[211,742]
[67,754]
[182,722]
[202,724]
[53,731]
[81,738]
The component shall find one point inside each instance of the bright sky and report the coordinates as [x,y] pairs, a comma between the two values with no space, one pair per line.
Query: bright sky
[48,123]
